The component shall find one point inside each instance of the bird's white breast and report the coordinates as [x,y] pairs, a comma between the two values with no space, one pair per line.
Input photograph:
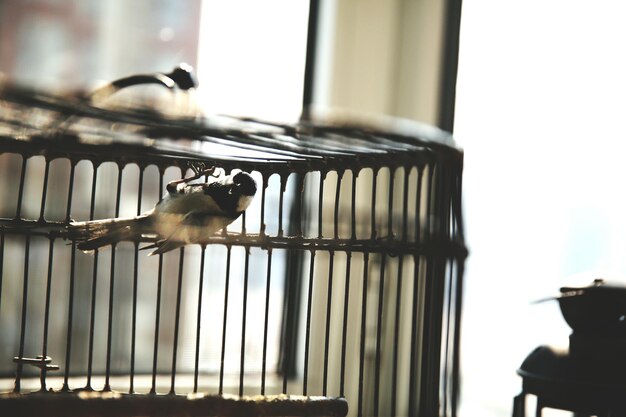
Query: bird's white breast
[244,202]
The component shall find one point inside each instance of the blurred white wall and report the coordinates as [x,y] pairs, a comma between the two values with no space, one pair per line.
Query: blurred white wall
[540,103]
[381,57]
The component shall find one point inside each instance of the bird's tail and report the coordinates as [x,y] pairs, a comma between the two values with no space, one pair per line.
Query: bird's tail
[93,234]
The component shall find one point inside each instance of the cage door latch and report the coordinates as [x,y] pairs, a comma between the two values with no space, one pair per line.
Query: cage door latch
[40,362]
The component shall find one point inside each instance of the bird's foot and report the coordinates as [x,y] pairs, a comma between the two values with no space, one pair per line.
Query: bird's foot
[199,169]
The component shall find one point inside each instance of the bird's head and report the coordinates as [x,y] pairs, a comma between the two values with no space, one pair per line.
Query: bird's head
[244,183]
[245,186]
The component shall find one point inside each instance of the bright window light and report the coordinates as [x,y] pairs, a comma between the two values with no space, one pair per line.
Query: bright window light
[540,112]
[251,57]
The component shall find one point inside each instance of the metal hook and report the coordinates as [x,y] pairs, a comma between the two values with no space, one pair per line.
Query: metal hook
[181,76]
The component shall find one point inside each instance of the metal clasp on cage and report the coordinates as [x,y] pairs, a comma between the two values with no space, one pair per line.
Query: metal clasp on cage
[41,362]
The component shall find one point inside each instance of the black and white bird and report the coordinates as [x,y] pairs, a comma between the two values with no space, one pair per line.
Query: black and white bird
[187,214]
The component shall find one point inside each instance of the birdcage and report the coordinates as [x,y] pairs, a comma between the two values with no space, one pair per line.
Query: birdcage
[338,291]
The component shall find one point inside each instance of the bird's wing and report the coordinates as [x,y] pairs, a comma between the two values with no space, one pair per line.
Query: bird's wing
[176,240]
[197,197]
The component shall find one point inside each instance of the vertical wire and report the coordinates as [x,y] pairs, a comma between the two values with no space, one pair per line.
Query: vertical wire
[285,336]
[355,174]
[94,284]
[413,393]
[418,199]
[446,349]
[379,325]
[297,216]
[157,325]
[199,320]
[329,298]
[243,320]
[345,325]
[381,289]
[337,199]
[133,326]
[430,199]
[429,394]
[107,385]
[448,183]
[20,193]
[458,297]
[18,376]
[179,290]
[70,191]
[346,300]
[133,331]
[363,330]
[405,204]
[457,338]
[320,207]
[291,301]
[396,337]
[157,319]
[226,288]
[390,204]
[396,330]
[373,207]
[263,191]
[266,319]
[283,186]
[446,293]
[46,318]
[44,192]
[413,388]
[70,320]
[435,194]
[308,324]
[453,325]
[373,234]
[330,281]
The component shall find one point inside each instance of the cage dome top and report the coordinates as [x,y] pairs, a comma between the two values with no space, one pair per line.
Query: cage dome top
[34,122]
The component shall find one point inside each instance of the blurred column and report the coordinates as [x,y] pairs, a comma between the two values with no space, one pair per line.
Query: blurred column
[381,57]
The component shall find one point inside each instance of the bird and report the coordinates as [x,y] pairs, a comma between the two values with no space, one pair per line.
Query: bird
[189,213]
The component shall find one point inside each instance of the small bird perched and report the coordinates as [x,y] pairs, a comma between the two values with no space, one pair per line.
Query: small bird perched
[187,214]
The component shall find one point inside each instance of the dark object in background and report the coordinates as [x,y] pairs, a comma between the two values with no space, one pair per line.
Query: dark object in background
[589,378]
[599,308]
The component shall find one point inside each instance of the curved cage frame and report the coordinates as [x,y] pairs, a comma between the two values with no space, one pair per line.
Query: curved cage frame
[367,229]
